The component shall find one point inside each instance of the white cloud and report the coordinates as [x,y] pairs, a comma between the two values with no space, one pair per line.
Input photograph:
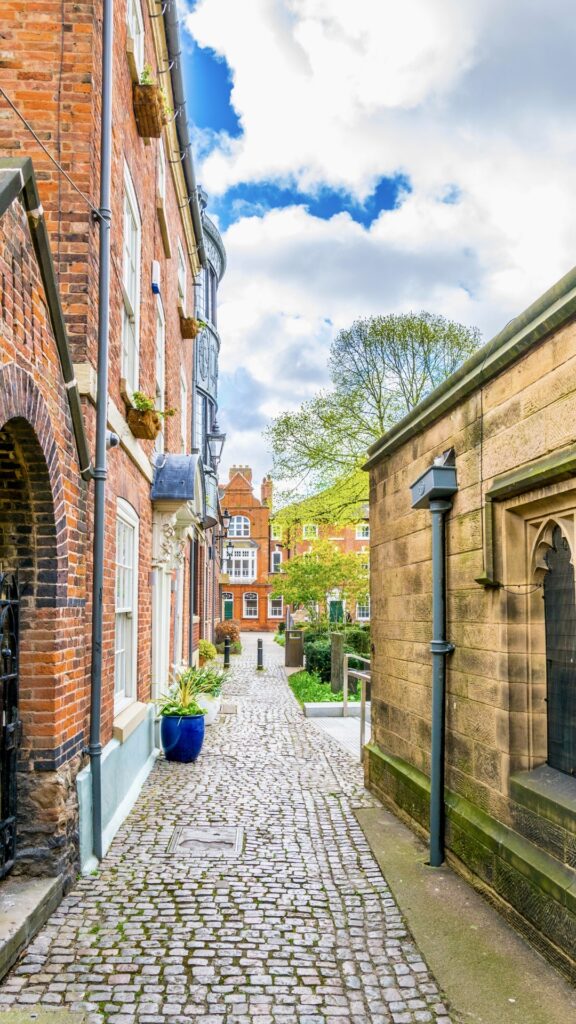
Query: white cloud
[471,101]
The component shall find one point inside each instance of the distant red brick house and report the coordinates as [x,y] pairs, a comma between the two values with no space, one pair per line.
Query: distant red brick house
[246,587]
[261,547]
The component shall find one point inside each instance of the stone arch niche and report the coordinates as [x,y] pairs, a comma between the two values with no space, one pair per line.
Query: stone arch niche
[33,544]
[530,721]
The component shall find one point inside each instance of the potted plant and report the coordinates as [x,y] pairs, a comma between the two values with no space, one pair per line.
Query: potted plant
[182,722]
[190,327]
[206,652]
[150,105]
[207,684]
[144,420]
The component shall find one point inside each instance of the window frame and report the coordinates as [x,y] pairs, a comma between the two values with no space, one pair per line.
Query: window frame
[252,594]
[244,533]
[135,7]
[363,604]
[161,170]
[181,275]
[127,516]
[363,531]
[271,614]
[160,370]
[249,555]
[310,526]
[131,303]
[275,532]
[183,409]
[275,556]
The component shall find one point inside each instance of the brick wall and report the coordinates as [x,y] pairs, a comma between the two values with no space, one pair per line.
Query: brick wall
[42,535]
[51,56]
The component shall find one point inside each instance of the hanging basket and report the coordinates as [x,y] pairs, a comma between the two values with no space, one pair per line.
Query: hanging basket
[149,110]
[145,425]
[189,326]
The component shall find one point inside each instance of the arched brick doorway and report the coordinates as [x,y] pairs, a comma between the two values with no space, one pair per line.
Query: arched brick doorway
[33,545]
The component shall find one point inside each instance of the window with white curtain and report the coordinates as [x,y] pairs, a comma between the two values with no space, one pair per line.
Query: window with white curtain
[250,606]
[126,605]
[131,284]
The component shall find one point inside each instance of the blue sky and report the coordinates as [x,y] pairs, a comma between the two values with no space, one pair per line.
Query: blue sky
[374,158]
[209,85]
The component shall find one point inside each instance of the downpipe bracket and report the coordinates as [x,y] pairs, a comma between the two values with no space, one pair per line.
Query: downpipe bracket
[442,647]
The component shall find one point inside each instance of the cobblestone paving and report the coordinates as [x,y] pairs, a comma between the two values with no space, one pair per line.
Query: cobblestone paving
[300,928]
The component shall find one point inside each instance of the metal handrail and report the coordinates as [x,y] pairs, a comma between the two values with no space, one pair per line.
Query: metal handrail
[364,677]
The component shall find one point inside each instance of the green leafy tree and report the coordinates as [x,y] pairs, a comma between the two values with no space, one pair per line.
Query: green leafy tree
[307,579]
[380,369]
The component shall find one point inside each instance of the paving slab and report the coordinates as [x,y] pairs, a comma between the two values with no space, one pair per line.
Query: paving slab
[489,973]
[25,905]
[39,1016]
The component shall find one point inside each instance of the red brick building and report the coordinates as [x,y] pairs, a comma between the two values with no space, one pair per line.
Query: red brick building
[162,514]
[246,586]
[351,539]
[260,547]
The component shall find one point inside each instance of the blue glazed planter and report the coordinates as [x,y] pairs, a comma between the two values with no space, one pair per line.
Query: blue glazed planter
[182,737]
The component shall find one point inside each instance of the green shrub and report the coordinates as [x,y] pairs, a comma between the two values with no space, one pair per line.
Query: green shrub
[356,638]
[206,650]
[280,639]
[235,647]
[281,627]
[318,655]
[307,687]
[228,627]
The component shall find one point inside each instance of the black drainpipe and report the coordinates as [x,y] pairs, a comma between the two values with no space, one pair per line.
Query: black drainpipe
[434,490]
[104,217]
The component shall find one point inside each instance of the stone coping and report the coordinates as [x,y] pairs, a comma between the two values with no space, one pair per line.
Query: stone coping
[547,792]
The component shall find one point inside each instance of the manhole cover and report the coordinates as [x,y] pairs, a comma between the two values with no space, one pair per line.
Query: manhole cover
[226,842]
[229,709]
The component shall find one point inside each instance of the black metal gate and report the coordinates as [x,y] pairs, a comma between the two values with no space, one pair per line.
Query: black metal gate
[560,615]
[10,722]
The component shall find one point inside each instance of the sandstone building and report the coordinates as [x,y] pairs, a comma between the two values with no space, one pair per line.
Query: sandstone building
[510,708]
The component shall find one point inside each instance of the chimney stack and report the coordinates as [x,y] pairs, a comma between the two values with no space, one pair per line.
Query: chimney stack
[266,491]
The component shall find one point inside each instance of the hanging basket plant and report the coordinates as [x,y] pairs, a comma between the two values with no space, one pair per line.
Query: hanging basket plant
[150,109]
[190,327]
[144,425]
[144,420]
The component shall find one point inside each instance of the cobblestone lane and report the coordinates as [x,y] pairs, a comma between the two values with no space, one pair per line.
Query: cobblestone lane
[299,927]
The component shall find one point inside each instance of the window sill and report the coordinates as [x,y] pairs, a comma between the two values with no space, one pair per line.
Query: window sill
[548,793]
[128,719]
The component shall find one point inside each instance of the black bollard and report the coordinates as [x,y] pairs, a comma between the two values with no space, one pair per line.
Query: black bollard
[226,652]
[260,656]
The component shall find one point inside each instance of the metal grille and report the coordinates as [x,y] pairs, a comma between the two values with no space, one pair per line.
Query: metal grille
[560,614]
[11,725]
